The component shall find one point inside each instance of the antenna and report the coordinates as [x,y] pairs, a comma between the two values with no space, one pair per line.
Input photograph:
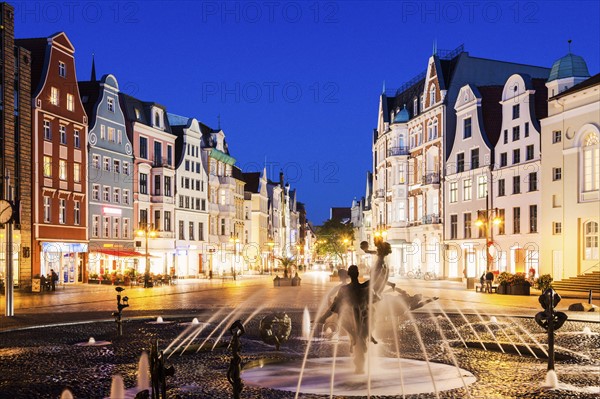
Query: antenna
[569,41]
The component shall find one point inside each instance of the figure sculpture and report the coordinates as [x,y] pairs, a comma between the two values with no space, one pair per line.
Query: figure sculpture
[235,366]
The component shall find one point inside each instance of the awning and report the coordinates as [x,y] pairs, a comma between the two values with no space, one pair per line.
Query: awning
[120,253]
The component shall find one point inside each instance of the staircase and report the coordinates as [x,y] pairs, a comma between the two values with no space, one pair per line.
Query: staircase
[583,282]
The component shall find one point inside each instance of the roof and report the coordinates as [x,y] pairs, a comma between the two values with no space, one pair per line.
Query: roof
[570,65]
[340,214]
[491,111]
[252,180]
[177,120]
[594,80]
[89,92]
[403,116]
[129,104]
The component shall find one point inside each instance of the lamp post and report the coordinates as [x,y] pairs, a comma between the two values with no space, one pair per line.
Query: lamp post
[489,219]
[146,231]
[271,245]
[234,239]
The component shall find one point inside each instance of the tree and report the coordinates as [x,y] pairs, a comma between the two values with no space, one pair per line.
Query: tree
[334,238]
[286,263]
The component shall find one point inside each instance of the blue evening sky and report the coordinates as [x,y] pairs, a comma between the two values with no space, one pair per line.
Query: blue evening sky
[297,83]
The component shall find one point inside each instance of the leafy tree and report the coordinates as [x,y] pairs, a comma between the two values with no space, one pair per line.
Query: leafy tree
[286,263]
[333,239]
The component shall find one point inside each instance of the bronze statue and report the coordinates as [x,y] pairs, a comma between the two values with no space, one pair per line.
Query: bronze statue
[235,366]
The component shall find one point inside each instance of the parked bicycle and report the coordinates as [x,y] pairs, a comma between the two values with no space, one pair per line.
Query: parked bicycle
[430,276]
[414,274]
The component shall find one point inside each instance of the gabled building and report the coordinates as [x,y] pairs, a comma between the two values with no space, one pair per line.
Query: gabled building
[16,147]
[467,189]
[110,182]
[517,199]
[59,141]
[571,171]
[191,188]
[149,131]
[257,217]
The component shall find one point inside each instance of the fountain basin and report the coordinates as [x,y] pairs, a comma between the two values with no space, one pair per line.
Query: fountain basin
[384,379]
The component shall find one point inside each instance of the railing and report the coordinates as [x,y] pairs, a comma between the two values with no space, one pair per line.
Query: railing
[380,193]
[431,178]
[432,218]
[161,162]
[596,266]
[398,151]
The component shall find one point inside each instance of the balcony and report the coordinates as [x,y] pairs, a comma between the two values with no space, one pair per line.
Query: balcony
[396,151]
[379,193]
[432,218]
[226,209]
[431,178]
[161,163]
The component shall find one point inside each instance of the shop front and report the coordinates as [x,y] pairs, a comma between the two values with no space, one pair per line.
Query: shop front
[67,259]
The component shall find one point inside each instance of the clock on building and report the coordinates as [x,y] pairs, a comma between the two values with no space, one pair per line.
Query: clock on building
[6,211]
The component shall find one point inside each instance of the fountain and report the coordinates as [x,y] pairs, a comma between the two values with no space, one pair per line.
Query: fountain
[117,388]
[93,342]
[66,394]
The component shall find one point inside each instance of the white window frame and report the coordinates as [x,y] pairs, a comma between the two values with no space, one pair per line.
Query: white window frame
[62,169]
[62,69]
[47,205]
[63,134]
[54,96]
[62,211]
[70,102]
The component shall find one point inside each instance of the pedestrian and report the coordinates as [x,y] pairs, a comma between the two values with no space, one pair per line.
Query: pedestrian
[482,282]
[489,277]
[53,279]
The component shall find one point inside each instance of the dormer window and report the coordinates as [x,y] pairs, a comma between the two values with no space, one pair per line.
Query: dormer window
[138,114]
[156,119]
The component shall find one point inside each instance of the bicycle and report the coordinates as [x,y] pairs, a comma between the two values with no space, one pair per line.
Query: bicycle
[430,276]
[414,274]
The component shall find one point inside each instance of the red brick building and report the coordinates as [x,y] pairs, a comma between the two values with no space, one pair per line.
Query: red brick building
[59,166]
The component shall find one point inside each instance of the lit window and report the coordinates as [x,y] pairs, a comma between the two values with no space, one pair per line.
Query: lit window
[103,132]
[111,134]
[125,228]
[77,213]
[467,190]
[54,96]
[116,227]
[590,231]
[62,169]
[46,209]
[453,192]
[106,227]
[47,166]
[481,186]
[70,102]
[62,211]
[591,163]
[96,226]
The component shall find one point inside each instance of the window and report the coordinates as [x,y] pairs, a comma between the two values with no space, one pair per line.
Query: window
[62,211]
[181,201]
[467,222]
[70,102]
[138,114]
[453,226]
[467,128]
[516,184]
[529,152]
[106,163]
[169,155]
[156,120]
[191,230]
[158,152]
[503,159]
[62,169]
[157,219]
[200,231]
[460,162]
[453,191]
[501,188]
[222,227]
[116,227]
[526,133]
[556,174]
[103,132]
[516,133]
[96,161]
[106,194]
[481,186]
[47,209]
[556,136]
[143,147]
[222,197]
[505,136]
[502,218]
[77,213]
[432,96]
[187,165]
[125,228]
[415,106]
[467,184]
[96,191]
[181,230]
[111,134]
[76,139]
[54,96]
[117,195]
[516,156]
[591,163]
[119,136]
[110,102]
[474,158]
[516,220]
[157,179]
[203,205]
[143,183]
[63,134]
[126,197]
[556,228]
[168,186]
[126,168]
[96,226]
[116,166]
[106,227]
[590,231]
[432,129]
[533,186]
[533,218]
[167,220]
[47,166]
[62,69]
[516,111]
[47,131]
[143,218]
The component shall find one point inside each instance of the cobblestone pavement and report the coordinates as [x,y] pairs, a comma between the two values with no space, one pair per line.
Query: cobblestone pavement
[38,358]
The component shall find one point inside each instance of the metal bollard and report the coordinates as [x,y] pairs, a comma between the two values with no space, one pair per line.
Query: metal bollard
[590,297]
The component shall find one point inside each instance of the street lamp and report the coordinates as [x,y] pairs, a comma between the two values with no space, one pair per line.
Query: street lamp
[147,231]
[271,244]
[488,220]
[234,239]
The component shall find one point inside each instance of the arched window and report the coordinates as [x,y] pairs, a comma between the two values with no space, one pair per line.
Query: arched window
[432,129]
[432,96]
[157,119]
[591,163]
[590,240]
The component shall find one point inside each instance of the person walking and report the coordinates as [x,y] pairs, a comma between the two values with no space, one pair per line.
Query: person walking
[53,279]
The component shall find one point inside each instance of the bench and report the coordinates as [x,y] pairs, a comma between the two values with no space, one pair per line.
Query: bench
[479,288]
